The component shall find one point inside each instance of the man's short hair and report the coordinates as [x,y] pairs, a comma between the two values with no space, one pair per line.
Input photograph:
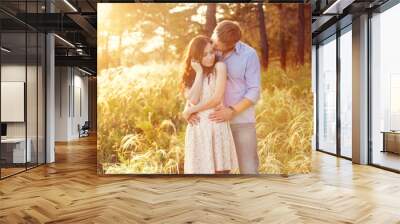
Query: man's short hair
[228,32]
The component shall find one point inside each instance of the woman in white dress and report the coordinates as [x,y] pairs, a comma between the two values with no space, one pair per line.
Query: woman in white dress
[209,146]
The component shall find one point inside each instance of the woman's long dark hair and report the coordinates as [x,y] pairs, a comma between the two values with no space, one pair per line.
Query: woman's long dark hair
[194,51]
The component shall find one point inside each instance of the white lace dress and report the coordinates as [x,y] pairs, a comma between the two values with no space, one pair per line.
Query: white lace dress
[209,146]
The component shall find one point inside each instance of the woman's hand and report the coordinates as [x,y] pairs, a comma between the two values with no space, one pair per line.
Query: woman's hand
[186,113]
[196,67]
[193,118]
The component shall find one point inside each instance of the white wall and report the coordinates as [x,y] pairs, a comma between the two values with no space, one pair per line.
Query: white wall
[12,73]
[34,125]
[81,100]
[71,87]
[62,81]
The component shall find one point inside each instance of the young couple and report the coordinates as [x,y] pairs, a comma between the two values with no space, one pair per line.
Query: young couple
[221,84]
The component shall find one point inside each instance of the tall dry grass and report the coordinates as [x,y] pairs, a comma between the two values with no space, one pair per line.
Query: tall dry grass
[140,129]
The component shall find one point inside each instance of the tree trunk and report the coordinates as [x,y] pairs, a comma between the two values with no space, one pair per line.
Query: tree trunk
[211,20]
[263,36]
[282,38]
[300,35]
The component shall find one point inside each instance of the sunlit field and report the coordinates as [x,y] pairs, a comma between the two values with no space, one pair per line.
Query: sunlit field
[141,130]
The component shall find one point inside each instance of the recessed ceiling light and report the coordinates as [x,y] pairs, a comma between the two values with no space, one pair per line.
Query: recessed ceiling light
[70,5]
[84,71]
[64,40]
[338,6]
[5,50]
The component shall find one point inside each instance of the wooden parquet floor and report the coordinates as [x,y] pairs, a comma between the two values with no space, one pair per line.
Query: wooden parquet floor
[70,191]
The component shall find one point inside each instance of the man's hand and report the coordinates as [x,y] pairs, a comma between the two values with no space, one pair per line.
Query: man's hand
[193,119]
[221,114]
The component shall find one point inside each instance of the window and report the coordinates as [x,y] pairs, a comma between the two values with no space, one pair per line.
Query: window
[327,96]
[346,93]
[385,89]
[22,87]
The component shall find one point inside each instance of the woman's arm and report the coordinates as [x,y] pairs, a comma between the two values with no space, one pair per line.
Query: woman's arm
[218,95]
[193,94]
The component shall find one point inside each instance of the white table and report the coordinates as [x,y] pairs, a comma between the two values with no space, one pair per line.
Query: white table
[19,155]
